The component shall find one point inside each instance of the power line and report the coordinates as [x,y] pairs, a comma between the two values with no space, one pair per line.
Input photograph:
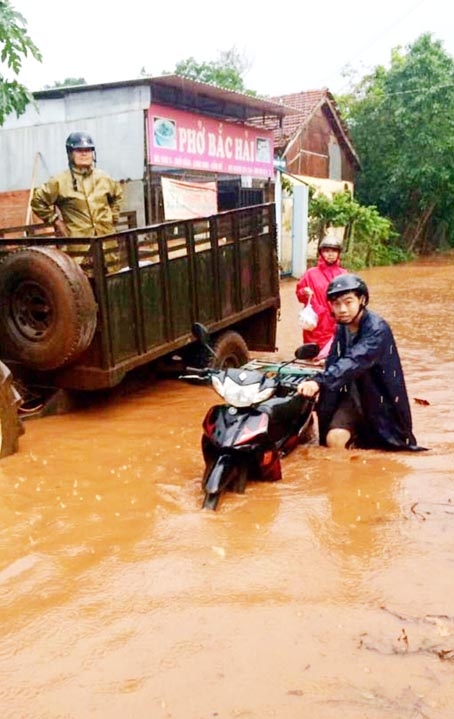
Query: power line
[382,33]
[387,29]
[417,91]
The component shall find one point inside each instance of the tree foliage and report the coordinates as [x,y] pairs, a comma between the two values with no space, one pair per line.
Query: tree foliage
[401,121]
[227,71]
[67,82]
[15,45]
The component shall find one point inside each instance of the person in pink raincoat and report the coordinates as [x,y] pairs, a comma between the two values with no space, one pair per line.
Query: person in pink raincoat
[313,285]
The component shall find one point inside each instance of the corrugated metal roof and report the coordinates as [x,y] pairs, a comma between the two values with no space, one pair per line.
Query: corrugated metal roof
[191,95]
[250,105]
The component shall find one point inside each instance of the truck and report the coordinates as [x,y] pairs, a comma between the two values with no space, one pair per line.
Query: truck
[79,314]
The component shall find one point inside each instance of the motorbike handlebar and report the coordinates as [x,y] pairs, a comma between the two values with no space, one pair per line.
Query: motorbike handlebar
[290,382]
[200,372]
[197,375]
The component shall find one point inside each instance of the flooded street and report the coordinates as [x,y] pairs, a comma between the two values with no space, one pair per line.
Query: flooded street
[325,595]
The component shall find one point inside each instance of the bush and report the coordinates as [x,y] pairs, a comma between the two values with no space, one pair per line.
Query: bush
[369,238]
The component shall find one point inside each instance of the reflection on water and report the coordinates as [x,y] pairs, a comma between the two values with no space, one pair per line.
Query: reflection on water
[362,505]
[120,597]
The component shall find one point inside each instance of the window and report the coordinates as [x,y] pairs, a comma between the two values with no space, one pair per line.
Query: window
[335,159]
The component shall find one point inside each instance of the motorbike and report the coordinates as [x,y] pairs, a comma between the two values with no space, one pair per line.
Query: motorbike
[261,420]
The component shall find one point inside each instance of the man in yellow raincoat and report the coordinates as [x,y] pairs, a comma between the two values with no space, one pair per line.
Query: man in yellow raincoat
[82,201]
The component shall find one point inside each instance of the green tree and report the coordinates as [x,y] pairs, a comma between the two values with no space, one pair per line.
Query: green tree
[15,45]
[227,71]
[401,121]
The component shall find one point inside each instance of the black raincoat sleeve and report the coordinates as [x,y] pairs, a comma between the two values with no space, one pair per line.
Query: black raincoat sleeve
[372,362]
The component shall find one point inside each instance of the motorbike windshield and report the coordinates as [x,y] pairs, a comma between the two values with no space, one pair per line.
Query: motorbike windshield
[240,395]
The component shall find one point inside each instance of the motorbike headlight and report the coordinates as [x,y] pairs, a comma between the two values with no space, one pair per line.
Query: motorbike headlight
[244,395]
[217,385]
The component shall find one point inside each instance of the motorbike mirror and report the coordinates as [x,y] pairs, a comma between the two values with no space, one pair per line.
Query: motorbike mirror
[307,351]
[201,333]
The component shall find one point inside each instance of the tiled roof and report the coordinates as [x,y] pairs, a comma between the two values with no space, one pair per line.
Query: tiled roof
[306,103]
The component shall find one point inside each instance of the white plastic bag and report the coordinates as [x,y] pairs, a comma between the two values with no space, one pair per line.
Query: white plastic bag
[308,317]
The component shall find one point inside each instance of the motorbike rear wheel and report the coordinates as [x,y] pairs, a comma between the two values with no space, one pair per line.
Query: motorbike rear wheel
[230,351]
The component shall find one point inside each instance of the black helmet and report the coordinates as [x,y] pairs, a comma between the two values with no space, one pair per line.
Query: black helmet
[331,243]
[347,283]
[79,141]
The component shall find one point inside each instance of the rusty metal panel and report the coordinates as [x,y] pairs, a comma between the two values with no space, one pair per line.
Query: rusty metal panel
[228,285]
[224,243]
[206,288]
[179,305]
[153,302]
[249,279]
[123,329]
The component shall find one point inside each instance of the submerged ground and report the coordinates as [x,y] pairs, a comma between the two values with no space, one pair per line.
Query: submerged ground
[326,595]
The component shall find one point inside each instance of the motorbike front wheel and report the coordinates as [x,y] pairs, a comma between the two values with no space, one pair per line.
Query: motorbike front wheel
[221,476]
[211,501]
[239,484]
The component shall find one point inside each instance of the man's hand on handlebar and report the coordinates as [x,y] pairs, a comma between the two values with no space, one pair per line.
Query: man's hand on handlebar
[308,388]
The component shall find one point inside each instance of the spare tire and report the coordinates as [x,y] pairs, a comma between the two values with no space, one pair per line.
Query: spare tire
[230,351]
[48,313]
[10,424]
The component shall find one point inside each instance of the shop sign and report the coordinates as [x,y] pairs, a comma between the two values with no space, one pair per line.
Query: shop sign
[187,141]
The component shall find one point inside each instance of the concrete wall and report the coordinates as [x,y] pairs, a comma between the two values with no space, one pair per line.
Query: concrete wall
[32,147]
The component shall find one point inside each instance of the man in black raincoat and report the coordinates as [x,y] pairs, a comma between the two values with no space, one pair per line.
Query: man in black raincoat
[363,400]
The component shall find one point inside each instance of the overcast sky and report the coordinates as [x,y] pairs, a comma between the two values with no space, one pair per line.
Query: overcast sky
[290,46]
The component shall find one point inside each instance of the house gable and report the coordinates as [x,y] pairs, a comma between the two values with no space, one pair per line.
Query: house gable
[315,141]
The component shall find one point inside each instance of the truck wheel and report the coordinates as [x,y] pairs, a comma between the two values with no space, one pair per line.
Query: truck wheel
[231,351]
[10,425]
[48,313]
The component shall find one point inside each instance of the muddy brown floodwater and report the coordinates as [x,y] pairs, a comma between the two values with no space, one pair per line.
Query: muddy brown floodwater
[326,595]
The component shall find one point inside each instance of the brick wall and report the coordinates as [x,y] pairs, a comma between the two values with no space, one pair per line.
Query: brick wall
[13,208]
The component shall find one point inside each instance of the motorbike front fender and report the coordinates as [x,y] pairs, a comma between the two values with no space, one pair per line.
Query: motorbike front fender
[220,475]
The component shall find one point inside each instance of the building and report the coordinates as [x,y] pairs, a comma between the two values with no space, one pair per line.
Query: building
[315,149]
[314,140]
[158,136]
